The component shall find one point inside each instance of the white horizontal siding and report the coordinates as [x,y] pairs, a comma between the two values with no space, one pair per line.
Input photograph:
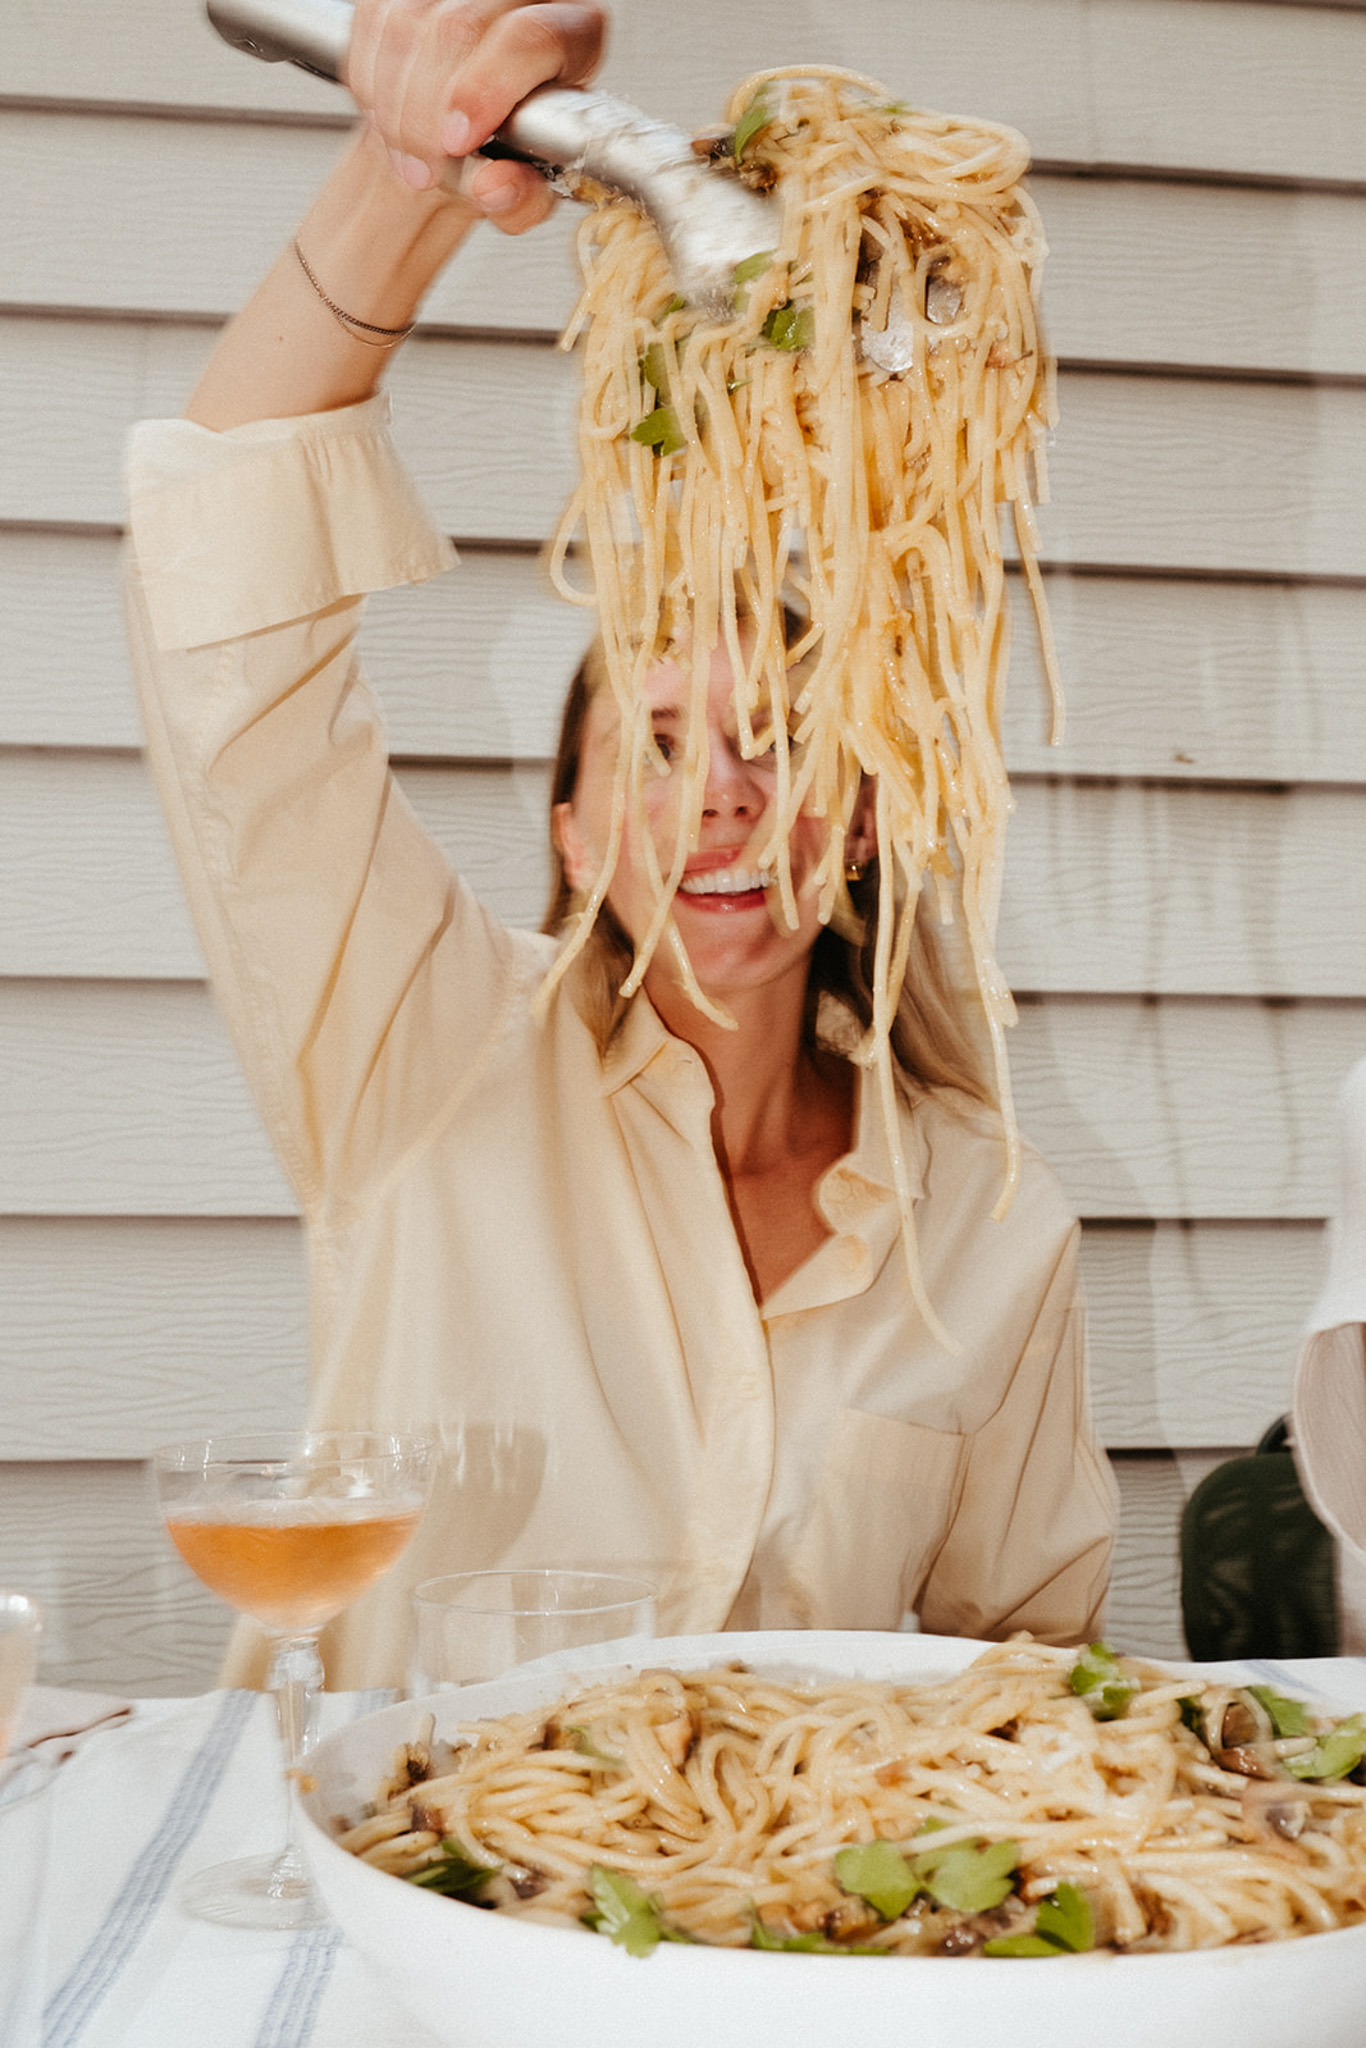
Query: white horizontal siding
[1143,1614]
[120,1607]
[212,206]
[123,1098]
[1147,473]
[1194,1328]
[171,1327]
[1171,681]
[95,889]
[1178,890]
[1140,271]
[176,1326]
[1241,89]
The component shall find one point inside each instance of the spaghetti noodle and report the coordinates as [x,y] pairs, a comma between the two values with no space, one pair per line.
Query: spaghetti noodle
[1032,1790]
[840,448]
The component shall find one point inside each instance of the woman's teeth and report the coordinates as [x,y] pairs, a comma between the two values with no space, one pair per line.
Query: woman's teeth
[727,882]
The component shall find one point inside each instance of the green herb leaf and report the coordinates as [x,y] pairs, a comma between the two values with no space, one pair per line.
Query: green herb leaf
[624,1913]
[1192,1714]
[455,1875]
[1100,1679]
[654,368]
[971,1876]
[586,1746]
[813,1944]
[660,430]
[1288,1717]
[1065,1917]
[790,327]
[755,118]
[1334,1754]
[1063,1925]
[673,305]
[878,1872]
[752,267]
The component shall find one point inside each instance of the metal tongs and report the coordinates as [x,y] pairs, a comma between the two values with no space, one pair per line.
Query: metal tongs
[709,224]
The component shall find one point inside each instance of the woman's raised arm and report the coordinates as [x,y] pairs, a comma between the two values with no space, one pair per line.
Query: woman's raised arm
[434,79]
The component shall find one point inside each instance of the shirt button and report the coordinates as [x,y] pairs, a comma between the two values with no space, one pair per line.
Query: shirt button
[748,1385]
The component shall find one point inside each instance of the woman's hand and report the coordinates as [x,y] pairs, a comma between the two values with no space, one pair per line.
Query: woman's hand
[437,77]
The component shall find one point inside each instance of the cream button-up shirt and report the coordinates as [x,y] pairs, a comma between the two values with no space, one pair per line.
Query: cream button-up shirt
[527,1246]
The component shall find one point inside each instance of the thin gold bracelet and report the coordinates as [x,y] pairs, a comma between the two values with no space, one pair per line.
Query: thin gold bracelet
[359,330]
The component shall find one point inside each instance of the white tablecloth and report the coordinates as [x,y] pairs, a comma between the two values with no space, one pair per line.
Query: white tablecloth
[186,1783]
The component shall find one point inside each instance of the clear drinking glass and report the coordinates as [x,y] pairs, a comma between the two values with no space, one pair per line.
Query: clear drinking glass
[476,1625]
[287,1527]
[21,1625]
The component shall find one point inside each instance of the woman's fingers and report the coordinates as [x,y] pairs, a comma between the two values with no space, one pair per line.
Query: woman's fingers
[511,195]
[553,42]
[437,77]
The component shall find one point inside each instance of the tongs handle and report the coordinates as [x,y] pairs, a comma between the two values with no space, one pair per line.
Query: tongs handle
[315,35]
[708,224]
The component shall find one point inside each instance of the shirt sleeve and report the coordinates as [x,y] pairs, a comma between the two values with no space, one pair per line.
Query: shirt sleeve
[335,933]
[1032,1535]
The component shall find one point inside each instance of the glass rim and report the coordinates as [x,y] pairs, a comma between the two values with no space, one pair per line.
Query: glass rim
[20,1610]
[302,1447]
[634,1591]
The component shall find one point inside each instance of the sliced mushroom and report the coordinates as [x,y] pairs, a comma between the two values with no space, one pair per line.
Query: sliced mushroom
[1273,1811]
[676,1738]
[943,299]
[852,1919]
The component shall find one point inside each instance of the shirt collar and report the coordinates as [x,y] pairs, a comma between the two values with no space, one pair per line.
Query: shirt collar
[639,1038]
[856,1196]
[863,1180]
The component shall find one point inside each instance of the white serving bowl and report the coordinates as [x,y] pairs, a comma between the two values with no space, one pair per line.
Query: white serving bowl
[479,1979]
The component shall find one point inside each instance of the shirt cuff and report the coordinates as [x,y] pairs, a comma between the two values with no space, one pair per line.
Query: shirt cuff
[235,532]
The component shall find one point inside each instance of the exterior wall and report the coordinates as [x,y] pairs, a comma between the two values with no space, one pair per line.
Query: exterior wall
[1185,921]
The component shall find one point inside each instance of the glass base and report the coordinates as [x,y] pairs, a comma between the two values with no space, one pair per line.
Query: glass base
[254,1891]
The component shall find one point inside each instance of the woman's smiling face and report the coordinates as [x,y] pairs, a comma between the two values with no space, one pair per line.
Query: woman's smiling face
[726,909]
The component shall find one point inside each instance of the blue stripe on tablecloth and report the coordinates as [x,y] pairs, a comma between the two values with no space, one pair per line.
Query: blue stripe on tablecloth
[127,1920]
[1292,1681]
[293,2010]
[1273,1674]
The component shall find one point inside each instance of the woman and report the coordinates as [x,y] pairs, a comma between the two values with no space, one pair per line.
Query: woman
[643,1273]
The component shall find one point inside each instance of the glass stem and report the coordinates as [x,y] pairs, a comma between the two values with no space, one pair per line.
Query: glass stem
[296,1679]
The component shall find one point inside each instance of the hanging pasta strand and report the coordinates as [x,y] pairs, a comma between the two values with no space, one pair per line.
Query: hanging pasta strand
[839,448]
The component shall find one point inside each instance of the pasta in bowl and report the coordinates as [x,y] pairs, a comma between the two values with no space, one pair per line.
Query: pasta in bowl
[874,1811]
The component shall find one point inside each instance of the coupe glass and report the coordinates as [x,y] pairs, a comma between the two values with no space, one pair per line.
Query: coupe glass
[287,1528]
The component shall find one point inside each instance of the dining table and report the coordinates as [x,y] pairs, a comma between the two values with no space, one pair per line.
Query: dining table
[159,1792]
[167,1786]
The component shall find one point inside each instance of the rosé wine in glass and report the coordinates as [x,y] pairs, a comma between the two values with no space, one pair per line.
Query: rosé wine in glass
[287,1528]
[291,1565]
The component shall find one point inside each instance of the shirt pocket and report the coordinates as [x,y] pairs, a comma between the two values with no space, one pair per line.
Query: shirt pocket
[882,1505]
